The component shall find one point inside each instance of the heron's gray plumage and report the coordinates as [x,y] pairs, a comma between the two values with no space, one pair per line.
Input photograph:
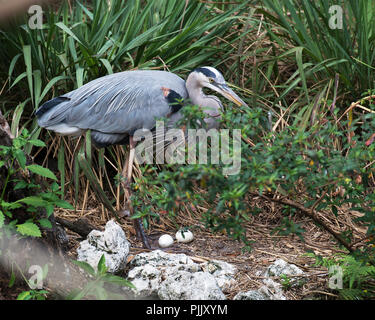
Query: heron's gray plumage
[116,105]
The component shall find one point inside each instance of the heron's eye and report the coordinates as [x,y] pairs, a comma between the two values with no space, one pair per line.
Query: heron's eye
[211,80]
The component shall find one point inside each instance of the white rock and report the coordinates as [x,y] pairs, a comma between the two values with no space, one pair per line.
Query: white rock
[184,236]
[111,242]
[250,295]
[165,241]
[190,286]
[146,279]
[223,272]
[280,267]
[158,258]
[175,276]
[272,290]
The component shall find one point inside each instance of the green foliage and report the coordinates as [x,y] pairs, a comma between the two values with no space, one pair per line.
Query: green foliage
[303,76]
[288,227]
[97,287]
[302,30]
[306,167]
[358,275]
[33,295]
[91,39]
[14,163]
[29,229]
[86,41]
[285,281]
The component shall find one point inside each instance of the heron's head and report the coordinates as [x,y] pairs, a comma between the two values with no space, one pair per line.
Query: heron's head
[211,78]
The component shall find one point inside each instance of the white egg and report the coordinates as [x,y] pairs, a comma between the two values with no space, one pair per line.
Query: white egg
[184,236]
[165,241]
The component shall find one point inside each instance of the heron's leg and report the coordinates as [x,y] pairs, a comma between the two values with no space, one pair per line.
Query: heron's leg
[127,172]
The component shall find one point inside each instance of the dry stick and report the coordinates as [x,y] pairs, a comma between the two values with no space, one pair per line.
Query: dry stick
[355,104]
[80,226]
[318,201]
[313,215]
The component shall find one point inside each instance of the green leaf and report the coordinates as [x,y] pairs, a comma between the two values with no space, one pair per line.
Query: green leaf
[45,223]
[18,79]
[117,280]
[85,266]
[16,117]
[39,170]
[21,158]
[12,280]
[2,219]
[51,84]
[33,201]
[107,65]
[63,204]
[29,69]
[37,143]
[10,205]
[29,229]
[62,26]
[13,63]
[25,295]
[49,209]
[101,265]
[21,185]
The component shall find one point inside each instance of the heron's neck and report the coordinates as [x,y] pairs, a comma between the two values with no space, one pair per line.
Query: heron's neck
[195,91]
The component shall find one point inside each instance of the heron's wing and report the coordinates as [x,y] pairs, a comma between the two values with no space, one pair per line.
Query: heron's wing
[118,103]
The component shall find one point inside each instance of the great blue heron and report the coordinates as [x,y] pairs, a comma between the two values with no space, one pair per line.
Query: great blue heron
[117,105]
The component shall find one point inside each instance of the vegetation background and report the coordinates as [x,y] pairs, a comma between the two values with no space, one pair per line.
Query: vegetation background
[307,136]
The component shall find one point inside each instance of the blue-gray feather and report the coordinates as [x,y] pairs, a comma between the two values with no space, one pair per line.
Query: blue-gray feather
[113,106]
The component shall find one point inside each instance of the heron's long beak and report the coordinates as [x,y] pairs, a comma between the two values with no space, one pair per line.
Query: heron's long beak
[228,93]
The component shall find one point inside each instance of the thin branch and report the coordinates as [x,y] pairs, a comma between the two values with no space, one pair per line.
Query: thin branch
[313,215]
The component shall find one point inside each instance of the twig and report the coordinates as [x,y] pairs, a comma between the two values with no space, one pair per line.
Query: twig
[355,104]
[313,215]
[319,200]
[80,226]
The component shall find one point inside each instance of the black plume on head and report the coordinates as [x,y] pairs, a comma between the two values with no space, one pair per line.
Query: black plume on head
[206,72]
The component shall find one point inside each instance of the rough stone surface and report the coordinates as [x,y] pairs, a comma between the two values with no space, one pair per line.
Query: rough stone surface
[250,295]
[272,290]
[280,267]
[184,285]
[223,272]
[146,279]
[111,242]
[160,258]
[163,275]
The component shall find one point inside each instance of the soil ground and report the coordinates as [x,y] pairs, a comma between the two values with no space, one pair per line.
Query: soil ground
[266,248]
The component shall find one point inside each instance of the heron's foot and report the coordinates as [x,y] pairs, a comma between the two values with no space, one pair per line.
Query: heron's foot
[140,232]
